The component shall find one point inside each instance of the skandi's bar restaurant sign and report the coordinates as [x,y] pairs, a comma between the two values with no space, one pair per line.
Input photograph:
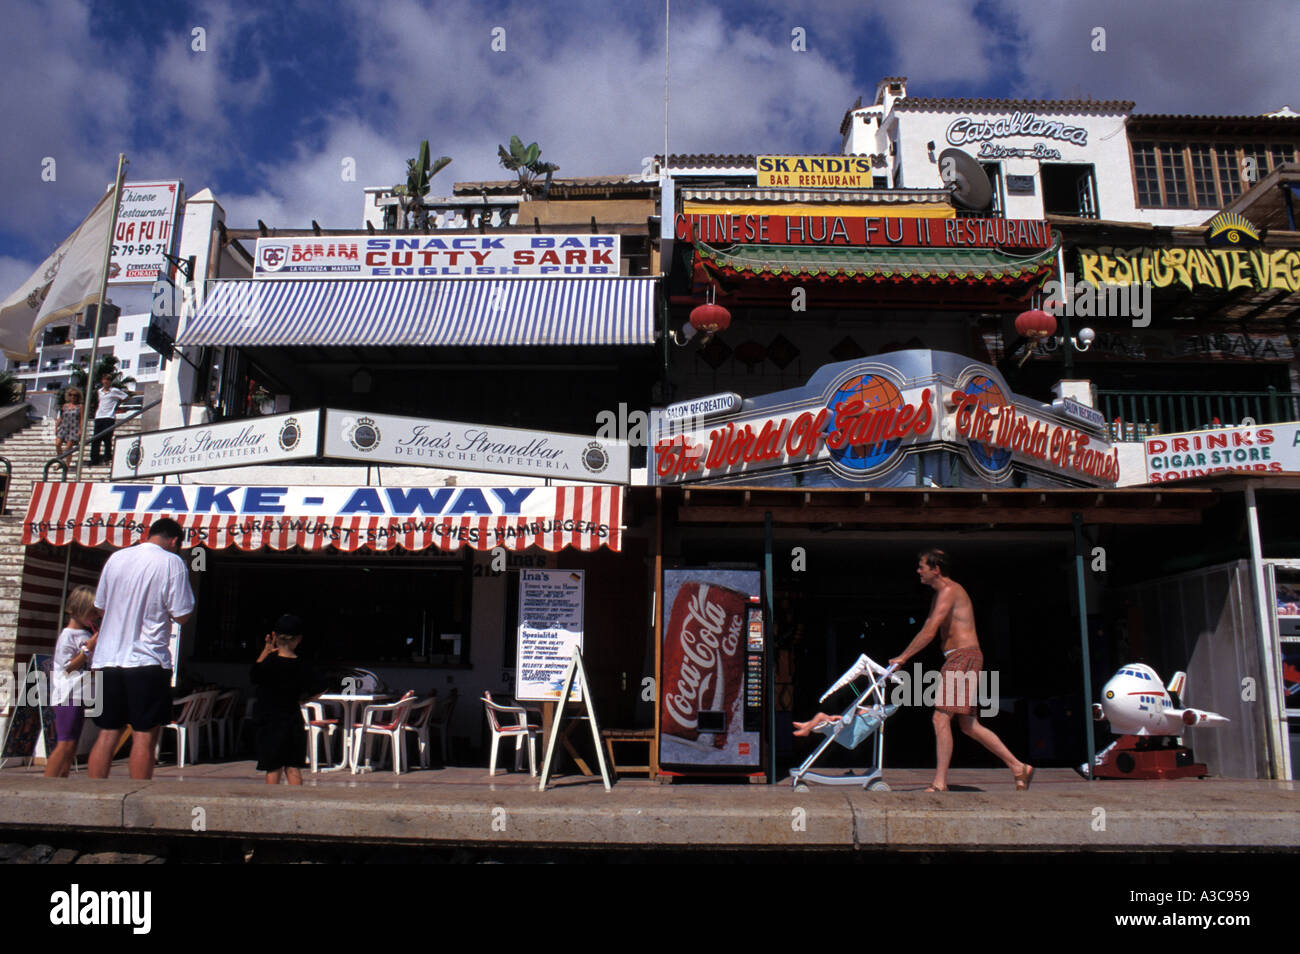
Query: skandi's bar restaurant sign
[876,422]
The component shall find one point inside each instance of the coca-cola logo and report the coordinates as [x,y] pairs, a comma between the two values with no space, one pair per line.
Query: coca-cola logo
[706,640]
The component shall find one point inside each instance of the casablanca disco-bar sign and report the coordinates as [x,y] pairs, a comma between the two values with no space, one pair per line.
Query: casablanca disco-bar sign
[1267,449]
[818,172]
[437,256]
[1220,268]
[315,517]
[864,231]
[889,421]
[240,443]
[420,442]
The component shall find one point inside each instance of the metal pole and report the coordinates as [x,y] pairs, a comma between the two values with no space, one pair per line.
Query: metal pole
[1083,639]
[769,669]
[1280,755]
[94,349]
[1067,345]
[99,312]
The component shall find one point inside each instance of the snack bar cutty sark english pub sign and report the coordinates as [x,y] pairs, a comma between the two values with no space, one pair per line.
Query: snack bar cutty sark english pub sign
[889,421]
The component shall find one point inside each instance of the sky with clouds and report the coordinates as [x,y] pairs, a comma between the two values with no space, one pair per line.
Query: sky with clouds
[282,94]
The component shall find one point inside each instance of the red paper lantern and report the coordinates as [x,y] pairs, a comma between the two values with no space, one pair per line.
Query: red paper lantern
[1035,324]
[710,318]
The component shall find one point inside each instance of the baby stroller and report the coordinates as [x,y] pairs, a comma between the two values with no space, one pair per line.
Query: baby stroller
[863,719]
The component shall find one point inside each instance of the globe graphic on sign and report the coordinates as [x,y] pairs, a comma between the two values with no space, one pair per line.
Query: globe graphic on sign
[988,395]
[878,392]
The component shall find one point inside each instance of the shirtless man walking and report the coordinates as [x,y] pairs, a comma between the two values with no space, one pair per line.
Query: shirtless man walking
[952,619]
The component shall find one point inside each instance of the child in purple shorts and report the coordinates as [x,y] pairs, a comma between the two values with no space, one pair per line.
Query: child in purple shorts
[70,687]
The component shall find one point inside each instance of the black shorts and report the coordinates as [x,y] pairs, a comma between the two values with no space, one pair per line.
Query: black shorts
[140,697]
[281,743]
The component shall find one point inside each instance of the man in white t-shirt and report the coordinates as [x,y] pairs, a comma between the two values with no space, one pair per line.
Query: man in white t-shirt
[105,414]
[142,590]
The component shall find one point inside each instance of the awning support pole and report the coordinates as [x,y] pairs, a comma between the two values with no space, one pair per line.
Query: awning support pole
[1083,640]
[1279,752]
[769,674]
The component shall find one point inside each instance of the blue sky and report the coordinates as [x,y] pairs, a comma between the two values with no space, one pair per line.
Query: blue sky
[285,92]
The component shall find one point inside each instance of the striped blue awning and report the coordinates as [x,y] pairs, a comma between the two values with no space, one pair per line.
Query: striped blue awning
[530,311]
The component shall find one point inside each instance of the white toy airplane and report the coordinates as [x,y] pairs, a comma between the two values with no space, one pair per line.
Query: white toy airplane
[1149,722]
[1134,703]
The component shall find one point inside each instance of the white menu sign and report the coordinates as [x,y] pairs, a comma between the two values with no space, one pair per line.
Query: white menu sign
[550,628]
[420,442]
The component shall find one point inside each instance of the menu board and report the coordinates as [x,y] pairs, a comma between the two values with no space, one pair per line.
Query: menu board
[550,628]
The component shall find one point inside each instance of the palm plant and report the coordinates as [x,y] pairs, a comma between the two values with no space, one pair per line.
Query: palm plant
[525,162]
[419,172]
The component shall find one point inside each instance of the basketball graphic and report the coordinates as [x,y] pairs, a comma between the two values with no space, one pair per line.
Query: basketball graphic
[988,395]
[877,392]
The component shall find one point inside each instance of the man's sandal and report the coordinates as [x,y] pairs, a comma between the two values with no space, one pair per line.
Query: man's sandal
[1024,778]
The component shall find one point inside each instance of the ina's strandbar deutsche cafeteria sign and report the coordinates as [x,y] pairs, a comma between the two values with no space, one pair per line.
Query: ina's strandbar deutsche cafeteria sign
[437,256]
[889,421]
[241,443]
[420,442]
[865,231]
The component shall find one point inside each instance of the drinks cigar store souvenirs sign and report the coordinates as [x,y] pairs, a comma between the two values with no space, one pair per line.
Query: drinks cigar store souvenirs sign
[890,421]
[438,256]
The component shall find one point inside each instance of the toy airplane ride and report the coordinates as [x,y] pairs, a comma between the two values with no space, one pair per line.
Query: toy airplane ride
[1150,722]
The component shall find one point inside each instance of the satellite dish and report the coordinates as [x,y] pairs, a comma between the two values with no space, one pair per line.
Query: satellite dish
[967,179]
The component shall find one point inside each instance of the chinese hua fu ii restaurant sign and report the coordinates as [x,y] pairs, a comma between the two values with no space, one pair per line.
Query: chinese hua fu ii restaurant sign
[906,419]
[438,256]
[872,231]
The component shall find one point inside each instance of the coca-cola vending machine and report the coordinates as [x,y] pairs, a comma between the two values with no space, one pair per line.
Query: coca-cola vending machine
[712,701]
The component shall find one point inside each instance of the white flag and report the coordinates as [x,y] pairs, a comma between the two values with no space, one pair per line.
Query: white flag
[64,285]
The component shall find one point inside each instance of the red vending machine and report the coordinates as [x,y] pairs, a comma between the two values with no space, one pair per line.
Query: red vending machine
[712,701]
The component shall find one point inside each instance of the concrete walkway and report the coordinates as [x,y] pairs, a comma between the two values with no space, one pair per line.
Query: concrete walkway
[461,806]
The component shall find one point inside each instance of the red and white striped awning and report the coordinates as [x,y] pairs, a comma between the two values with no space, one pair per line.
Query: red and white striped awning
[345,518]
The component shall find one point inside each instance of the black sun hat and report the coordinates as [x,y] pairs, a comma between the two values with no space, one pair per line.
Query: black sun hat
[288,625]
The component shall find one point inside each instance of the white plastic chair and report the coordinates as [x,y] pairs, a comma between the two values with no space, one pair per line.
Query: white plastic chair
[520,730]
[417,721]
[185,726]
[313,715]
[203,712]
[392,730]
[441,718]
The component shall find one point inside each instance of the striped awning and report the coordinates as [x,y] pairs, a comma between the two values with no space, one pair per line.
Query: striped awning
[426,312]
[317,517]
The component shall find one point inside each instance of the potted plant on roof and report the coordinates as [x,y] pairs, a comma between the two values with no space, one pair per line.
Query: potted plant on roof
[419,172]
[526,162]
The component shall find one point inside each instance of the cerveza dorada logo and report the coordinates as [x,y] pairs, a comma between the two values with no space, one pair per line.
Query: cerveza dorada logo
[202,446]
[272,257]
[968,129]
[361,432]
[133,454]
[474,444]
[594,457]
[77,907]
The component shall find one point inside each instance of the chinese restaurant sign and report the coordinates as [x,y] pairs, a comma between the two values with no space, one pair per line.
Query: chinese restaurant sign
[1267,449]
[1219,268]
[818,172]
[885,422]
[550,629]
[864,231]
[415,441]
[437,256]
[145,232]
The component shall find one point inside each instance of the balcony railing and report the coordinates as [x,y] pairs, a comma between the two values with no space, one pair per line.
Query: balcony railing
[1133,415]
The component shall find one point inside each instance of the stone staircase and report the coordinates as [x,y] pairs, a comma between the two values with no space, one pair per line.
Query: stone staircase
[27,450]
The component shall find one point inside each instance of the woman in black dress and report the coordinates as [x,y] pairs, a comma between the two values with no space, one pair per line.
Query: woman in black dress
[283,680]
